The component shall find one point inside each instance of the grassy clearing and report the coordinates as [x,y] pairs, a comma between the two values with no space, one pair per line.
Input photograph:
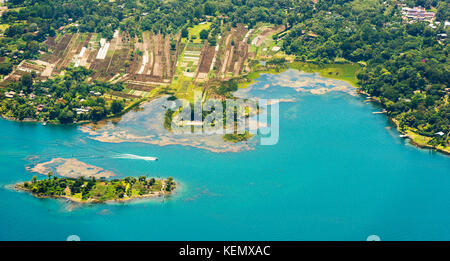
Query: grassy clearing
[195,31]
[251,77]
[183,81]
[343,72]
[3,27]
[17,9]
[265,48]
[423,141]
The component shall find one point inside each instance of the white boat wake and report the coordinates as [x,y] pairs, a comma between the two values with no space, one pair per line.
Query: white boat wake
[136,157]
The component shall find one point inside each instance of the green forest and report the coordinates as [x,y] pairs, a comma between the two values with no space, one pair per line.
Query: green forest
[404,63]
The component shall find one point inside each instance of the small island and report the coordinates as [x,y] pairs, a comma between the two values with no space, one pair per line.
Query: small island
[94,190]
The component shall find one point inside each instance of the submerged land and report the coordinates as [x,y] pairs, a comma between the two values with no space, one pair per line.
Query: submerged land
[67,69]
[92,190]
[71,168]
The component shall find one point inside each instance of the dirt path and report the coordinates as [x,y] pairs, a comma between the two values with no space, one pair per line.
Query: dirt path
[116,46]
[168,72]
[59,49]
[227,56]
[176,53]
[61,61]
[242,55]
[260,39]
[158,66]
[206,58]
[229,66]
[148,51]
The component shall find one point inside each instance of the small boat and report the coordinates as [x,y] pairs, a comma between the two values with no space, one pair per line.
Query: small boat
[379,112]
[44,123]
[403,136]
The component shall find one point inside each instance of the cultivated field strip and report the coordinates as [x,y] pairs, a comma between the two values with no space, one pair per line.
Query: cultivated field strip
[145,63]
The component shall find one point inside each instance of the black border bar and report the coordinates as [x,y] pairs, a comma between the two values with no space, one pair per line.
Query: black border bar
[235,249]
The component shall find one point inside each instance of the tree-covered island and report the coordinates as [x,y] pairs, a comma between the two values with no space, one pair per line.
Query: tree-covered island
[91,190]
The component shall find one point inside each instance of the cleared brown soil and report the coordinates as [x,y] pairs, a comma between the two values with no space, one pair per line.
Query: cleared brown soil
[145,78]
[125,95]
[58,48]
[240,50]
[120,58]
[158,51]
[268,32]
[206,58]
[51,41]
[14,76]
[72,49]
[147,49]
[161,62]
[100,66]
[241,56]
[166,58]
[140,87]
[224,54]
[233,52]
[136,61]
[33,67]
[85,43]
[175,53]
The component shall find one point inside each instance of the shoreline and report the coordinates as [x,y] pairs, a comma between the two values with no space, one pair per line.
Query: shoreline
[416,142]
[413,139]
[125,110]
[410,135]
[29,120]
[248,79]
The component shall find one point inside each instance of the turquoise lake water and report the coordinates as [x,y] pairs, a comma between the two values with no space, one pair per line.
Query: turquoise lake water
[338,172]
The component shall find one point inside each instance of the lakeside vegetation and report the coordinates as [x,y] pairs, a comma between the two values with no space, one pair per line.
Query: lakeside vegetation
[405,66]
[344,72]
[91,190]
[64,99]
[235,137]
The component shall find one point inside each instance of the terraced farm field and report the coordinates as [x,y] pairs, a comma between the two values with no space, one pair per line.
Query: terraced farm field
[151,63]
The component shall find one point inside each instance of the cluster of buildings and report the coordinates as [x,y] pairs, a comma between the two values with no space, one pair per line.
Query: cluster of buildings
[442,37]
[11,94]
[82,110]
[417,13]
[39,108]
[436,23]
[95,93]
[32,96]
